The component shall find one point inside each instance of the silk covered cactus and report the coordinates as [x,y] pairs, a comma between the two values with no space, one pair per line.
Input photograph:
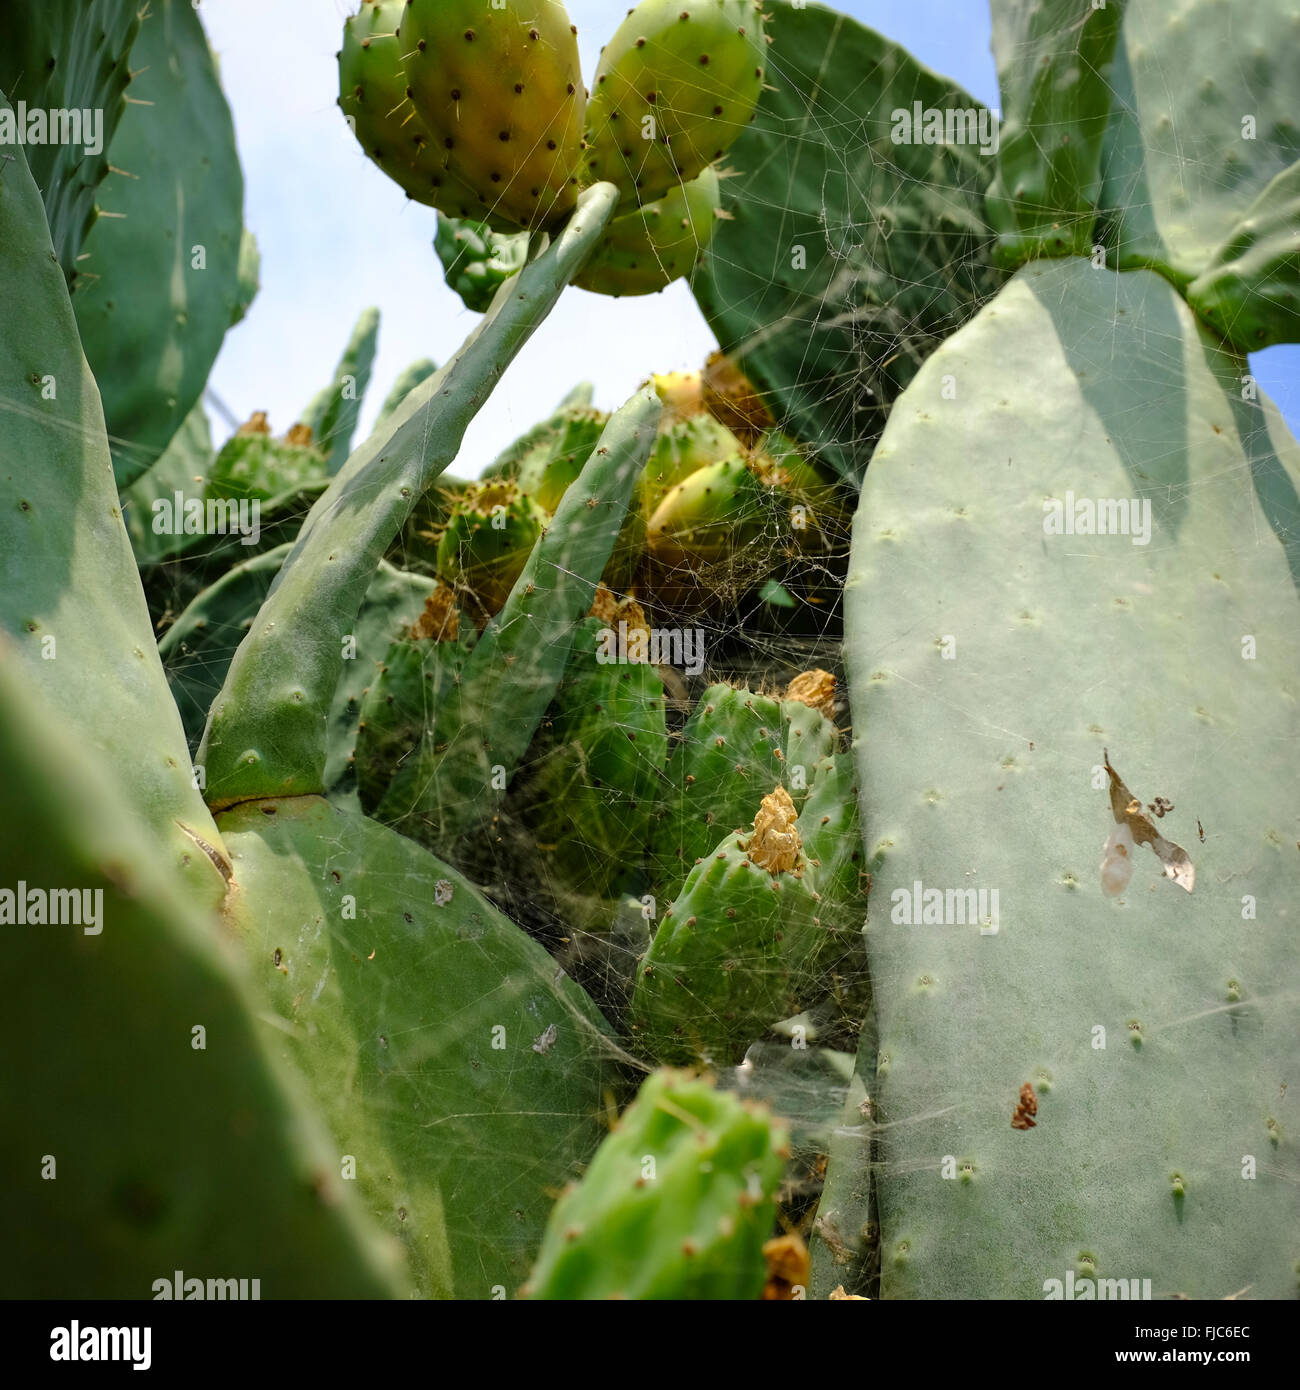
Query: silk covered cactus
[818,825]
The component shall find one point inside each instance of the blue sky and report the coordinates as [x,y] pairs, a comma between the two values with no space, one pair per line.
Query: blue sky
[337,236]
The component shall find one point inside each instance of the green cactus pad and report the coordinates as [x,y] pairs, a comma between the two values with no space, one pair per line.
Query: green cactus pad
[1054,62]
[676,84]
[1250,292]
[68,55]
[1184,160]
[733,750]
[649,248]
[993,660]
[746,943]
[70,598]
[333,414]
[499,88]
[198,1156]
[677,1203]
[158,282]
[254,465]
[589,799]
[486,544]
[448,1060]
[831,327]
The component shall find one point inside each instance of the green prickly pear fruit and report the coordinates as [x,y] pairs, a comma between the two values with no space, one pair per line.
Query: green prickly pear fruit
[589,803]
[486,544]
[684,446]
[411,684]
[731,397]
[545,471]
[741,948]
[253,465]
[677,1202]
[734,744]
[675,87]
[713,537]
[477,261]
[373,98]
[647,249]
[500,89]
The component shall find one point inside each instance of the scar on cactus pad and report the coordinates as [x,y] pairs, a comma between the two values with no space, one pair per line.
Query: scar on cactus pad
[1133,828]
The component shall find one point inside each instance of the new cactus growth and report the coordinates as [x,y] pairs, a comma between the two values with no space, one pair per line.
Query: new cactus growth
[676,84]
[253,464]
[676,1204]
[741,947]
[499,88]
[486,544]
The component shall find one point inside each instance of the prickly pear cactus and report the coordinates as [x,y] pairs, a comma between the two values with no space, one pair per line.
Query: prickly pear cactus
[676,84]
[677,1202]
[1154,1029]
[499,88]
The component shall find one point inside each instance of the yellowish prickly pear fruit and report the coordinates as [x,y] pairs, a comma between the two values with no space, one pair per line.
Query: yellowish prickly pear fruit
[675,86]
[499,87]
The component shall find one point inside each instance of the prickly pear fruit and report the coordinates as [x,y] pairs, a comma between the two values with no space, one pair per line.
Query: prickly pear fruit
[589,802]
[413,681]
[713,537]
[684,446]
[254,465]
[476,261]
[373,98]
[650,247]
[734,745]
[832,842]
[681,393]
[500,89]
[675,86]
[731,397]
[676,1203]
[486,544]
[740,948]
